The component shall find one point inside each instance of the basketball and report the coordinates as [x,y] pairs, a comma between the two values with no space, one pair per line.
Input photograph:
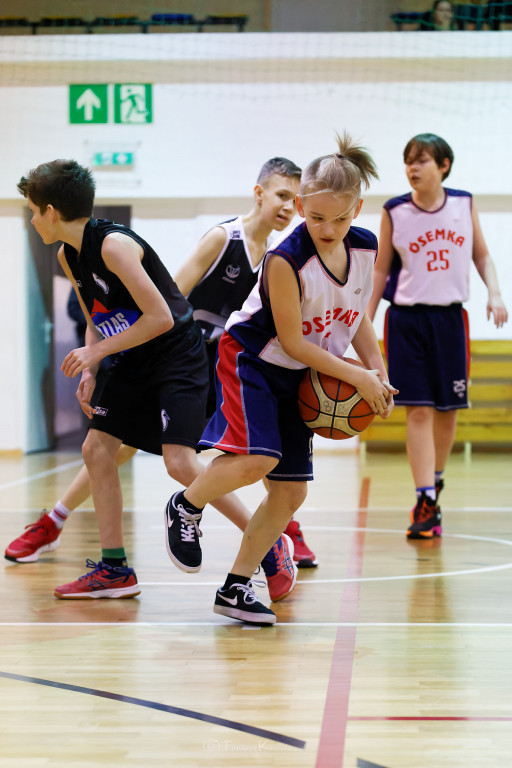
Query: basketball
[333,408]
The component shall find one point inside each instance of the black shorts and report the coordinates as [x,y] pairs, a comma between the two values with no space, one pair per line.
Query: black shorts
[427,351]
[166,406]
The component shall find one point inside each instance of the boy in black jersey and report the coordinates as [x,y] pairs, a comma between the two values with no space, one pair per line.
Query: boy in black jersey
[155,394]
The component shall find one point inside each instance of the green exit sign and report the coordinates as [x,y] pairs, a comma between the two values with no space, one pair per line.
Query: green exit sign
[113,159]
[88,103]
[125,103]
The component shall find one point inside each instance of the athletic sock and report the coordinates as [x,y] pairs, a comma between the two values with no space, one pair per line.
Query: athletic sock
[59,514]
[181,499]
[439,476]
[428,490]
[232,578]
[116,558]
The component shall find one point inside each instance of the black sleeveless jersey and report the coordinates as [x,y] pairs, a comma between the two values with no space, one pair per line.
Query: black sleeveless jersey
[110,304]
[226,285]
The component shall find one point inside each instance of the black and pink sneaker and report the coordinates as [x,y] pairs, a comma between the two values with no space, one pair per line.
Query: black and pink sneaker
[426,519]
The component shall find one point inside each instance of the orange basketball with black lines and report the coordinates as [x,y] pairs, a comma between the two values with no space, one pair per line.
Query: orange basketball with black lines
[333,408]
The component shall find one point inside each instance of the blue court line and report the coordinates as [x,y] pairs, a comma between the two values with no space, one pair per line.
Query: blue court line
[366,764]
[261,732]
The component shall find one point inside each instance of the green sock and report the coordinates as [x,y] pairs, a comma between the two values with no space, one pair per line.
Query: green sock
[116,558]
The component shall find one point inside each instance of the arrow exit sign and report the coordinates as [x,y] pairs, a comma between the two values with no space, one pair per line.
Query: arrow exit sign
[128,103]
[88,103]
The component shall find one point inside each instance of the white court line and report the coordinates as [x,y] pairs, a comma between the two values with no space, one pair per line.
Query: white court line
[279,625]
[432,575]
[40,475]
[312,582]
[305,510]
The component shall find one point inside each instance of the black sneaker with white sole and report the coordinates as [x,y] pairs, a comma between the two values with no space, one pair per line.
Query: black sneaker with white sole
[239,601]
[182,534]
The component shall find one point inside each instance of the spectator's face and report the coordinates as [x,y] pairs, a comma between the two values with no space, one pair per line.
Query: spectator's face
[443,15]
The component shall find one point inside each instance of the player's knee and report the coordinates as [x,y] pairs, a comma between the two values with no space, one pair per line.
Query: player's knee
[91,449]
[255,468]
[181,464]
[419,415]
[98,449]
[290,495]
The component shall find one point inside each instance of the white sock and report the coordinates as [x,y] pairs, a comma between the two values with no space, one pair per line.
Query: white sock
[59,514]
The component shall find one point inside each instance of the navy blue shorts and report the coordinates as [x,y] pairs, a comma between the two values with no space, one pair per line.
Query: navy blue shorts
[257,412]
[166,404]
[427,353]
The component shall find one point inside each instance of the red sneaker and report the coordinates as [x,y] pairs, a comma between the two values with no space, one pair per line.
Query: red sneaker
[102,581]
[302,555]
[279,568]
[39,537]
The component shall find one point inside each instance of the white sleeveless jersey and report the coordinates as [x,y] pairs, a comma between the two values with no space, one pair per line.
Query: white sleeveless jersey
[433,251]
[331,310]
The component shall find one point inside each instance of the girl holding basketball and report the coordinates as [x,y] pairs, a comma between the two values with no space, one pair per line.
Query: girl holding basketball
[308,306]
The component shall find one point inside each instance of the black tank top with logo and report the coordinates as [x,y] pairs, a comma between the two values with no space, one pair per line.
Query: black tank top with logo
[226,285]
[111,305]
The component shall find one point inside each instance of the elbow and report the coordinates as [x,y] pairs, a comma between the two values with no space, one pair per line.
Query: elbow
[291,349]
[164,323]
[168,324]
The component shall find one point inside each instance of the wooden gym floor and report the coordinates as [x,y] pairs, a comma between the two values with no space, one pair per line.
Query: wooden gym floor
[390,654]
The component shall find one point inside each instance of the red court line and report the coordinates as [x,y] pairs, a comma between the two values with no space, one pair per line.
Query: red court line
[486,719]
[331,747]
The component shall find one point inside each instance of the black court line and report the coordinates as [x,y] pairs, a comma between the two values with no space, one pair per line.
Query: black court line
[366,764]
[261,732]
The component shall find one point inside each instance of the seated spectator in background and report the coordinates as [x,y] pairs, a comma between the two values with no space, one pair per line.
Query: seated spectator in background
[439,18]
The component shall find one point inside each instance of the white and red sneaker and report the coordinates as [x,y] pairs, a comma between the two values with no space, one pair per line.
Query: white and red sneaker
[279,568]
[39,537]
[303,555]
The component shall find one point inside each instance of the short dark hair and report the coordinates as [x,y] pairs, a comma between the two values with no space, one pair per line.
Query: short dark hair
[437,147]
[278,165]
[62,183]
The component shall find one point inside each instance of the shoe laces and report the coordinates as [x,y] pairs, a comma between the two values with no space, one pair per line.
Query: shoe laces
[33,528]
[95,568]
[248,590]
[189,524]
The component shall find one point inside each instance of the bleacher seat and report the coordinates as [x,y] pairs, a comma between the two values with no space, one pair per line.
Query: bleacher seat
[499,12]
[229,20]
[61,21]
[470,16]
[407,17]
[487,424]
[180,19]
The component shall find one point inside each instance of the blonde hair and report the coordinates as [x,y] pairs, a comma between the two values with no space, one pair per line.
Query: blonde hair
[342,173]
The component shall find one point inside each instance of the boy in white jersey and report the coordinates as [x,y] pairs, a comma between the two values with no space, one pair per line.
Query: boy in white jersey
[308,306]
[428,239]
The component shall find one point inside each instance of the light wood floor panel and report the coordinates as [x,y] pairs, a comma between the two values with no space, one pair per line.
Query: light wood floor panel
[390,654]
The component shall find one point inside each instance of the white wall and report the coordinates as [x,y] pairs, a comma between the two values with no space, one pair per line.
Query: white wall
[223,104]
